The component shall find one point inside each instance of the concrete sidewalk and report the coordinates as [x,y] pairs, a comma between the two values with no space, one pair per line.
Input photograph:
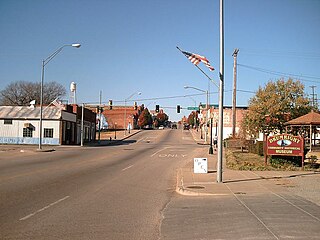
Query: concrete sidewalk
[246,205]
[234,182]
[198,184]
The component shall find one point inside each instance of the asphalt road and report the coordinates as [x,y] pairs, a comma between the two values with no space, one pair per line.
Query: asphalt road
[110,192]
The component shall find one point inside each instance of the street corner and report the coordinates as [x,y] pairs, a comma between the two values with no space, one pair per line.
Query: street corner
[186,186]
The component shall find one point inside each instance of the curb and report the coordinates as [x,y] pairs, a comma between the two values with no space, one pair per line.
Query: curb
[182,190]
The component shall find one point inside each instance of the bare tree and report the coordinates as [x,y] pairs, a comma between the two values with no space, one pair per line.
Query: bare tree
[22,93]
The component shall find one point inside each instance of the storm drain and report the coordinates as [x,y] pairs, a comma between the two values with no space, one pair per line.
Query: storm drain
[196,187]
[240,193]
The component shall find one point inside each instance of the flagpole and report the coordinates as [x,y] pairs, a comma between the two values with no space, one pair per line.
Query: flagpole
[220,128]
[208,103]
[50,104]
[202,71]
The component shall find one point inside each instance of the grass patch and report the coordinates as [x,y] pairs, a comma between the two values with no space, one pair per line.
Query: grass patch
[238,160]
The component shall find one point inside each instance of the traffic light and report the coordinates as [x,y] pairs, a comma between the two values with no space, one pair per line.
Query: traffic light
[110,104]
[157,108]
[135,107]
[178,108]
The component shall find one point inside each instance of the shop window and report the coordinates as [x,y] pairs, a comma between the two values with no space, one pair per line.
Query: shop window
[8,121]
[48,132]
[27,132]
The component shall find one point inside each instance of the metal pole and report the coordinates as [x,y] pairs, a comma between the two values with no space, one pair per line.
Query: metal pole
[220,133]
[210,149]
[125,116]
[99,117]
[45,62]
[234,99]
[41,103]
[82,119]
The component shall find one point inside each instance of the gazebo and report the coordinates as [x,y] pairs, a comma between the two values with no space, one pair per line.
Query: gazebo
[299,125]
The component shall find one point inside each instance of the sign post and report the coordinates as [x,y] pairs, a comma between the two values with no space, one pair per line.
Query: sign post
[200,165]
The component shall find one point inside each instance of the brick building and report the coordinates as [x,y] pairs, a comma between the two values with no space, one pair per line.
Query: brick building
[227,120]
[117,115]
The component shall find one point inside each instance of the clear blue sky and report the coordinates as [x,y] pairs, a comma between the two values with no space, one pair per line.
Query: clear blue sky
[130,46]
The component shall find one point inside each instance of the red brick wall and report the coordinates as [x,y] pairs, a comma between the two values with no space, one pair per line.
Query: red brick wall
[116,115]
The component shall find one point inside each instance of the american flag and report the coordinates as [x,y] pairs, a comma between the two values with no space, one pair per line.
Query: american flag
[58,104]
[196,59]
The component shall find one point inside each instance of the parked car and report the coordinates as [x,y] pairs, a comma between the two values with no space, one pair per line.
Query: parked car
[186,126]
[161,127]
[174,126]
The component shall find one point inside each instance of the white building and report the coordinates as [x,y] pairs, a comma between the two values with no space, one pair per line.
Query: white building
[20,125]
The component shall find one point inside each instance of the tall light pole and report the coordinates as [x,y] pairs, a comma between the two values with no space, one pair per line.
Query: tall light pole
[207,107]
[198,89]
[44,63]
[220,133]
[125,110]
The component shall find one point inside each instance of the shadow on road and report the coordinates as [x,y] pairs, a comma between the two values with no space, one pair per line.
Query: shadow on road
[104,143]
[270,178]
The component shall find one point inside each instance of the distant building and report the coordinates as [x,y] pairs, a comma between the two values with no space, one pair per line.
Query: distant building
[20,125]
[115,117]
[227,120]
[89,124]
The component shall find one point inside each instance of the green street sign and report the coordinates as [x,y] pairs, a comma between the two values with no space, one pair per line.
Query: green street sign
[193,108]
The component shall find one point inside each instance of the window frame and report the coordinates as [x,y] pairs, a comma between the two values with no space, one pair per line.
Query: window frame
[48,133]
[27,132]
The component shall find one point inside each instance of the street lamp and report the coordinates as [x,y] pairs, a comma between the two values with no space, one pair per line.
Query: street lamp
[207,107]
[44,63]
[125,110]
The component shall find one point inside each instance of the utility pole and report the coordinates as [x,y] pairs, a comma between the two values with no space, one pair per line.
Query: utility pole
[82,125]
[234,99]
[313,96]
[220,133]
[99,112]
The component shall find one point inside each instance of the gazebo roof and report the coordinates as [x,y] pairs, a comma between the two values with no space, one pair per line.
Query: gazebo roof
[311,118]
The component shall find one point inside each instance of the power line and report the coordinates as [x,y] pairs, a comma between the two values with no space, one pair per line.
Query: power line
[299,77]
[268,52]
[157,98]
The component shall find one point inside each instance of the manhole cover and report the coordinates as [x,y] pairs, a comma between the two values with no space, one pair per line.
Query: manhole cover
[128,149]
[196,187]
[239,193]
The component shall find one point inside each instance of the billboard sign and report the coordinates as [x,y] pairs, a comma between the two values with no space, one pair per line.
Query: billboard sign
[285,144]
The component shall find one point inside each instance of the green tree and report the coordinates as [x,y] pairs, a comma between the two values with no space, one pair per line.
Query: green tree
[161,119]
[274,105]
[22,93]
[145,118]
[193,118]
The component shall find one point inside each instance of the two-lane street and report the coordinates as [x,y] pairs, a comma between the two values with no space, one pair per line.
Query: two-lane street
[110,192]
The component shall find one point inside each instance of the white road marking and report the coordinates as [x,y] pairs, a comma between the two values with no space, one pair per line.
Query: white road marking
[159,151]
[145,139]
[127,168]
[141,139]
[44,208]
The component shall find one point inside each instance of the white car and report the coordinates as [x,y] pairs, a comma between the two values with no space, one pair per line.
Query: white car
[161,127]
